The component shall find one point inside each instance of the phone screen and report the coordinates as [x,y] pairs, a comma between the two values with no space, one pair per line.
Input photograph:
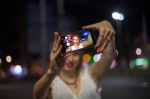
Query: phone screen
[79,40]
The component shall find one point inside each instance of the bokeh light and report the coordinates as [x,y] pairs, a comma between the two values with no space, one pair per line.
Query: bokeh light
[97,57]
[8,58]
[138,51]
[113,64]
[139,62]
[0,61]
[85,64]
[86,58]
[18,71]
[117,52]
[117,16]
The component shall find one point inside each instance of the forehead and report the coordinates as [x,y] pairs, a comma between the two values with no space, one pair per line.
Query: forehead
[75,37]
[79,52]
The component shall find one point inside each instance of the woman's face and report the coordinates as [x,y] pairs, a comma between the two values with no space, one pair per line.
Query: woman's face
[76,40]
[72,61]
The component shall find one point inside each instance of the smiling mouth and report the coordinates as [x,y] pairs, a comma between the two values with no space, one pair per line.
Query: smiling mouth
[70,64]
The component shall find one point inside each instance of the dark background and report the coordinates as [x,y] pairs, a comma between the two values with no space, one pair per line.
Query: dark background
[13,18]
[26,34]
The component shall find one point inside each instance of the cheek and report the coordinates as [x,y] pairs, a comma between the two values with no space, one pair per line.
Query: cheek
[77,59]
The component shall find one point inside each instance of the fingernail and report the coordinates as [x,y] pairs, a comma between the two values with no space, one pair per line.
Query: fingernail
[100,50]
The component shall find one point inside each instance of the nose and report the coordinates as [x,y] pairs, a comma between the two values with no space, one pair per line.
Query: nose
[69,57]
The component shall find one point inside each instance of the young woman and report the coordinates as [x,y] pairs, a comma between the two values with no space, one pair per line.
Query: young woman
[67,80]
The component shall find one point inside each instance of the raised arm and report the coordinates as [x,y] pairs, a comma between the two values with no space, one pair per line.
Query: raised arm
[42,88]
[105,44]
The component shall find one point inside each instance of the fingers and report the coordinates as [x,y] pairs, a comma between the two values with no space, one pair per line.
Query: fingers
[57,45]
[56,57]
[105,43]
[105,29]
[56,35]
[67,55]
[57,54]
[60,59]
[104,33]
[100,38]
[58,51]
[93,26]
[57,41]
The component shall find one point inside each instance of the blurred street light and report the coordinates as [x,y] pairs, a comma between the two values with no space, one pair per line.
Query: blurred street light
[117,16]
[97,57]
[86,58]
[8,58]
[142,63]
[138,51]
[18,71]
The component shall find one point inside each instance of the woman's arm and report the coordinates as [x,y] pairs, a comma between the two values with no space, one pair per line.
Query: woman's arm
[42,86]
[98,69]
[106,43]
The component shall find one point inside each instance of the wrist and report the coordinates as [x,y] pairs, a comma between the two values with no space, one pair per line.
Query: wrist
[50,73]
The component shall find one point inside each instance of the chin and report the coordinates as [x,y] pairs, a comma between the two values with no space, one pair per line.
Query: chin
[69,69]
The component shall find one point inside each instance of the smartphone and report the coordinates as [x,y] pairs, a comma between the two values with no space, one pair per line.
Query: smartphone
[78,40]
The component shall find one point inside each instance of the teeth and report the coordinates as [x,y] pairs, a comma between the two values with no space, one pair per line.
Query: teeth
[69,63]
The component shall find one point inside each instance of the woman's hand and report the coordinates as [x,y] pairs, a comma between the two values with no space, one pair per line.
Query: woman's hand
[106,32]
[55,55]
[106,41]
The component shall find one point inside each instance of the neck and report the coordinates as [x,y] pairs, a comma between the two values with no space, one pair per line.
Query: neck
[68,74]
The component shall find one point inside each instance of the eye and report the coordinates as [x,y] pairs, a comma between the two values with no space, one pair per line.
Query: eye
[76,53]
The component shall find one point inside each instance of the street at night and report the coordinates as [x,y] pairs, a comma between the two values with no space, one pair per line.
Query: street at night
[114,87]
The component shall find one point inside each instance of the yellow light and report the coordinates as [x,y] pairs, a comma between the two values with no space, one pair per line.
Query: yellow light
[8,58]
[86,58]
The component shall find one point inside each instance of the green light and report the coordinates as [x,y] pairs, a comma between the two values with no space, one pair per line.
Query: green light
[141,61]
[91,60]
[146,61]
[132,63]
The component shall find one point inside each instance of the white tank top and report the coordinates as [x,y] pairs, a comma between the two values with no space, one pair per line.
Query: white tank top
[88,89]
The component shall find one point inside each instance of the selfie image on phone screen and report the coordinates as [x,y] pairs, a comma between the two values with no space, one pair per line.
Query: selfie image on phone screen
[78,40]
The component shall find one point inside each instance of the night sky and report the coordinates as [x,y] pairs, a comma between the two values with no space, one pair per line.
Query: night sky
[13,15]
